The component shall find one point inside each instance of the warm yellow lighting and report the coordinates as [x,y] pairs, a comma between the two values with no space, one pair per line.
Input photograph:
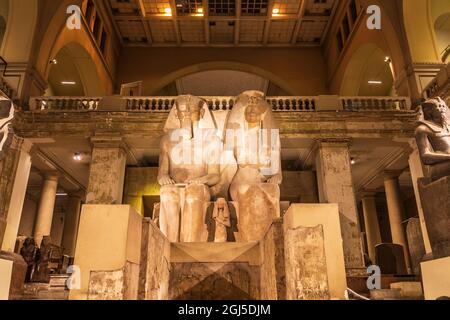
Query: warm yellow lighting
[275,11]
[199,10]
[168,11]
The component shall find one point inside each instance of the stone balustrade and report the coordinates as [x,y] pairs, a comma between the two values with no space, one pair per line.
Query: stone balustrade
[279,104]
[440,86]
[6,89]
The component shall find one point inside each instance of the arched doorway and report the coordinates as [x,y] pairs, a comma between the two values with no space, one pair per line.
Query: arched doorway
[442,31]
[369,73]
[73,73]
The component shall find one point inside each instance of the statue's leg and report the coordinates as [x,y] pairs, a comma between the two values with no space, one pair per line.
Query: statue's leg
[195,206]
[169,215]
[440,170]
[258,206]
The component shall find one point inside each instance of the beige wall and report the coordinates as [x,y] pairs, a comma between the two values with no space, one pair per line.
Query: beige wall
[297,71]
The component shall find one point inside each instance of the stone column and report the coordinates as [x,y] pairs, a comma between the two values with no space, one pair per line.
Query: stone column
[417,172]
[107,172]
[336,186]
[71,223]
[371,223]
[13,186]
[396,210]
[44,216]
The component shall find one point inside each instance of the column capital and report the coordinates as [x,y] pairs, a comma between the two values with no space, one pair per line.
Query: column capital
[51,175]
[21,144]
[368,194]
[334,142]
[392,174]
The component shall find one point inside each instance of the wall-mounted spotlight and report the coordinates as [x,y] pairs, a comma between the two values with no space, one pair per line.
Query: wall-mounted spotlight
[352,161]
[387,60]
[53,61]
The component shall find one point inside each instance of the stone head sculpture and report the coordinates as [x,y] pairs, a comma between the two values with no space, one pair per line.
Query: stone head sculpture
[436,111]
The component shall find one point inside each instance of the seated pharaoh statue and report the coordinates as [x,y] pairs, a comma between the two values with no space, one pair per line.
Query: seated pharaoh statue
[433,137]
[188,167]
[253,135]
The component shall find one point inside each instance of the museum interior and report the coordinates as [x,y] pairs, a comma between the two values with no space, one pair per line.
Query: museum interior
[347,197]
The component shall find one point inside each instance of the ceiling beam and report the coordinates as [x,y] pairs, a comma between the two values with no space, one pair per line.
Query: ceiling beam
[268,19]
[301,14]
[237,23]
[173,7]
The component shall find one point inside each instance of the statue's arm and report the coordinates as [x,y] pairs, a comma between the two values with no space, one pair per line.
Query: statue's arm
[427,154]
[164,164]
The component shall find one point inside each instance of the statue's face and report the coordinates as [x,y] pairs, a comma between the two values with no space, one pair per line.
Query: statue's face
[189,113]
[438,113]
[254,113]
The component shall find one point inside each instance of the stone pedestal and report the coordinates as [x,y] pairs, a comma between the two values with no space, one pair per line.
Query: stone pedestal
[436,278]
[391,259]
[415,244]
[435,198]
[314,254]
[12,276]
[108,253]
[214,271]
[335,182]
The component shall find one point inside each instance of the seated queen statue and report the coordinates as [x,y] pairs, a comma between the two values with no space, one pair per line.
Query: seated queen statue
[188,167]
[253,135]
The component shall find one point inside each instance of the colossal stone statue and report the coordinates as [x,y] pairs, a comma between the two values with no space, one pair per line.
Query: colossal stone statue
[189,166]
[253,134]
[433,137]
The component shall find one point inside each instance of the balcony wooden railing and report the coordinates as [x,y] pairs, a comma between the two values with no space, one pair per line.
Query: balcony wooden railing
[279,104]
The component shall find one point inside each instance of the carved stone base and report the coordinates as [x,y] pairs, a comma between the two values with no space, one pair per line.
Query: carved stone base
[435,197]
[17,275]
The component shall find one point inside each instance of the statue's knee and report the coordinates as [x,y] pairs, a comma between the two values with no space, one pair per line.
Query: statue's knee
[169,193]
[198,192]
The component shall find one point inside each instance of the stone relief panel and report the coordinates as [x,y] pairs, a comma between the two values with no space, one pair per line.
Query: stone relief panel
[306,266]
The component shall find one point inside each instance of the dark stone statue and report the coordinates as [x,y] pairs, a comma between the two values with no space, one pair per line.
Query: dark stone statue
[42,271]
[28,252]
[433,137]
[433,141]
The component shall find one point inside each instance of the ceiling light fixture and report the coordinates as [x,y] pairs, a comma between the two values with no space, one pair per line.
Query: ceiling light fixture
[199,10]
[68,82]
[353,161]
[374,82]
[77,156]
[168,11]
[275,11]
[387,60]
[53,61]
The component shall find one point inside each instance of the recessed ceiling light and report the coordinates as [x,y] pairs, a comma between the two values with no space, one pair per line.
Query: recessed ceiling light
[374,82]
[77,156]
[68,82]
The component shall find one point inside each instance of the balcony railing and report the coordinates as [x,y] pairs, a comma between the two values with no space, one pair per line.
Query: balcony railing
[440,85]
[164,104]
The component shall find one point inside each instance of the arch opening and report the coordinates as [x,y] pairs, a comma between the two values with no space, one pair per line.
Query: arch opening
[368,73]
[73,73]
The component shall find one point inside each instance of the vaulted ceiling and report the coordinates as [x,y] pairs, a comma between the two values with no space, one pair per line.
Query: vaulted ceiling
[221,22]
